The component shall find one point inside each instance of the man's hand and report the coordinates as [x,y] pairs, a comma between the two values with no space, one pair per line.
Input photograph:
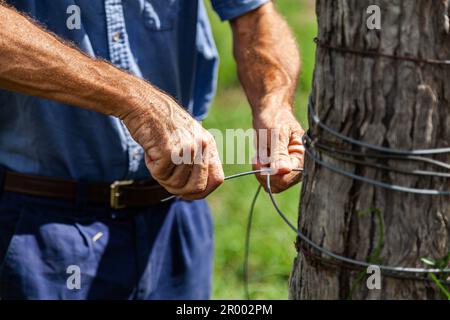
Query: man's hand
[180,154]
[35,62]
[268,66]
[284,154]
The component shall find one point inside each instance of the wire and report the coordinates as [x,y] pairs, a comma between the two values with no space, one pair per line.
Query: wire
[331,150]
[242,174]
[366,53]
[342,137]
[387,168]
[342,258]
[237,175]
[386,153]
[247,243]
[395,271]
[375,182]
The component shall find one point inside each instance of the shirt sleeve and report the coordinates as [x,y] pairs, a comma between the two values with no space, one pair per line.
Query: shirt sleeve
[229,9]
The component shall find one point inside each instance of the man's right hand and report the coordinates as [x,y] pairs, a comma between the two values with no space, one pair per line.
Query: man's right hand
[168,133]
[35,62]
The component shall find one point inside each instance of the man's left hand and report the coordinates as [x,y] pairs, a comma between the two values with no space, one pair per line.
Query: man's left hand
[283,154]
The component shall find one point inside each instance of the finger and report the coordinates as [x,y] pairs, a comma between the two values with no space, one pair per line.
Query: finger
[183,161]
[163,158]
[196,182]
[178,179]
[263,149]
[297,160]
[296,149]
[181,174]
[198,178]
[284,182]
[296,137]
[160,169]
[296,143]
[280,159]
[215,179]
[215,173]
[280,183]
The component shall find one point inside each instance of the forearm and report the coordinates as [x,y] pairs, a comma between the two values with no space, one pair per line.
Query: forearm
[268,59]
[35,62]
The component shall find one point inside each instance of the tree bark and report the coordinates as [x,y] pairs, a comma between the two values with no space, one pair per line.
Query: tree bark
[385,102]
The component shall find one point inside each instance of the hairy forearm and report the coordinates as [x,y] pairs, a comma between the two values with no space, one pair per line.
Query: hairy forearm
[35,62]
[267,58]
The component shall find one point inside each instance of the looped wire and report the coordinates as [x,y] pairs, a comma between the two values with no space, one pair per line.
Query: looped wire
[367,53]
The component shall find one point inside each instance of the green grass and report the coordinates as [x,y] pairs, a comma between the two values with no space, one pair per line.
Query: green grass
[272,243]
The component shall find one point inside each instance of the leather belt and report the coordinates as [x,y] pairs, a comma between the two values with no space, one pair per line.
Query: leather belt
[118,195]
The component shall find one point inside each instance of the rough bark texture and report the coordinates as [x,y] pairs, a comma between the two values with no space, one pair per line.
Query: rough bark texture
[384,102]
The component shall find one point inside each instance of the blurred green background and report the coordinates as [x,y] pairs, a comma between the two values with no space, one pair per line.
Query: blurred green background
[272,243]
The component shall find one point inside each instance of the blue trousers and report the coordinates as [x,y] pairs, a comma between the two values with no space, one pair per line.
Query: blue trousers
[54,249]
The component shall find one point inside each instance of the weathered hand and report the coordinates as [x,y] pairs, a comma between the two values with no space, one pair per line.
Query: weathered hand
[283,154]
[180,154]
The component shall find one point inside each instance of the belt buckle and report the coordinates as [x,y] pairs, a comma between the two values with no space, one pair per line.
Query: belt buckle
[115,193]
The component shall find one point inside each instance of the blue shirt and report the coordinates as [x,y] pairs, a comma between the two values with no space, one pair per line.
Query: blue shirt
[167,42]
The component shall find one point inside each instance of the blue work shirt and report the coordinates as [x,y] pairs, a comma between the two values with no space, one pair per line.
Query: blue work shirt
[167,42]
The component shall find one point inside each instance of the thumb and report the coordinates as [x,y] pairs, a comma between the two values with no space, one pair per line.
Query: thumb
[280,158]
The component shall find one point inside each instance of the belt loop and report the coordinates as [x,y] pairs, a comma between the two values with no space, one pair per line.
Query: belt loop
[81,199]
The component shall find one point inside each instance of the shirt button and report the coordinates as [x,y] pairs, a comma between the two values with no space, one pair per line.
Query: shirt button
[116,36]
